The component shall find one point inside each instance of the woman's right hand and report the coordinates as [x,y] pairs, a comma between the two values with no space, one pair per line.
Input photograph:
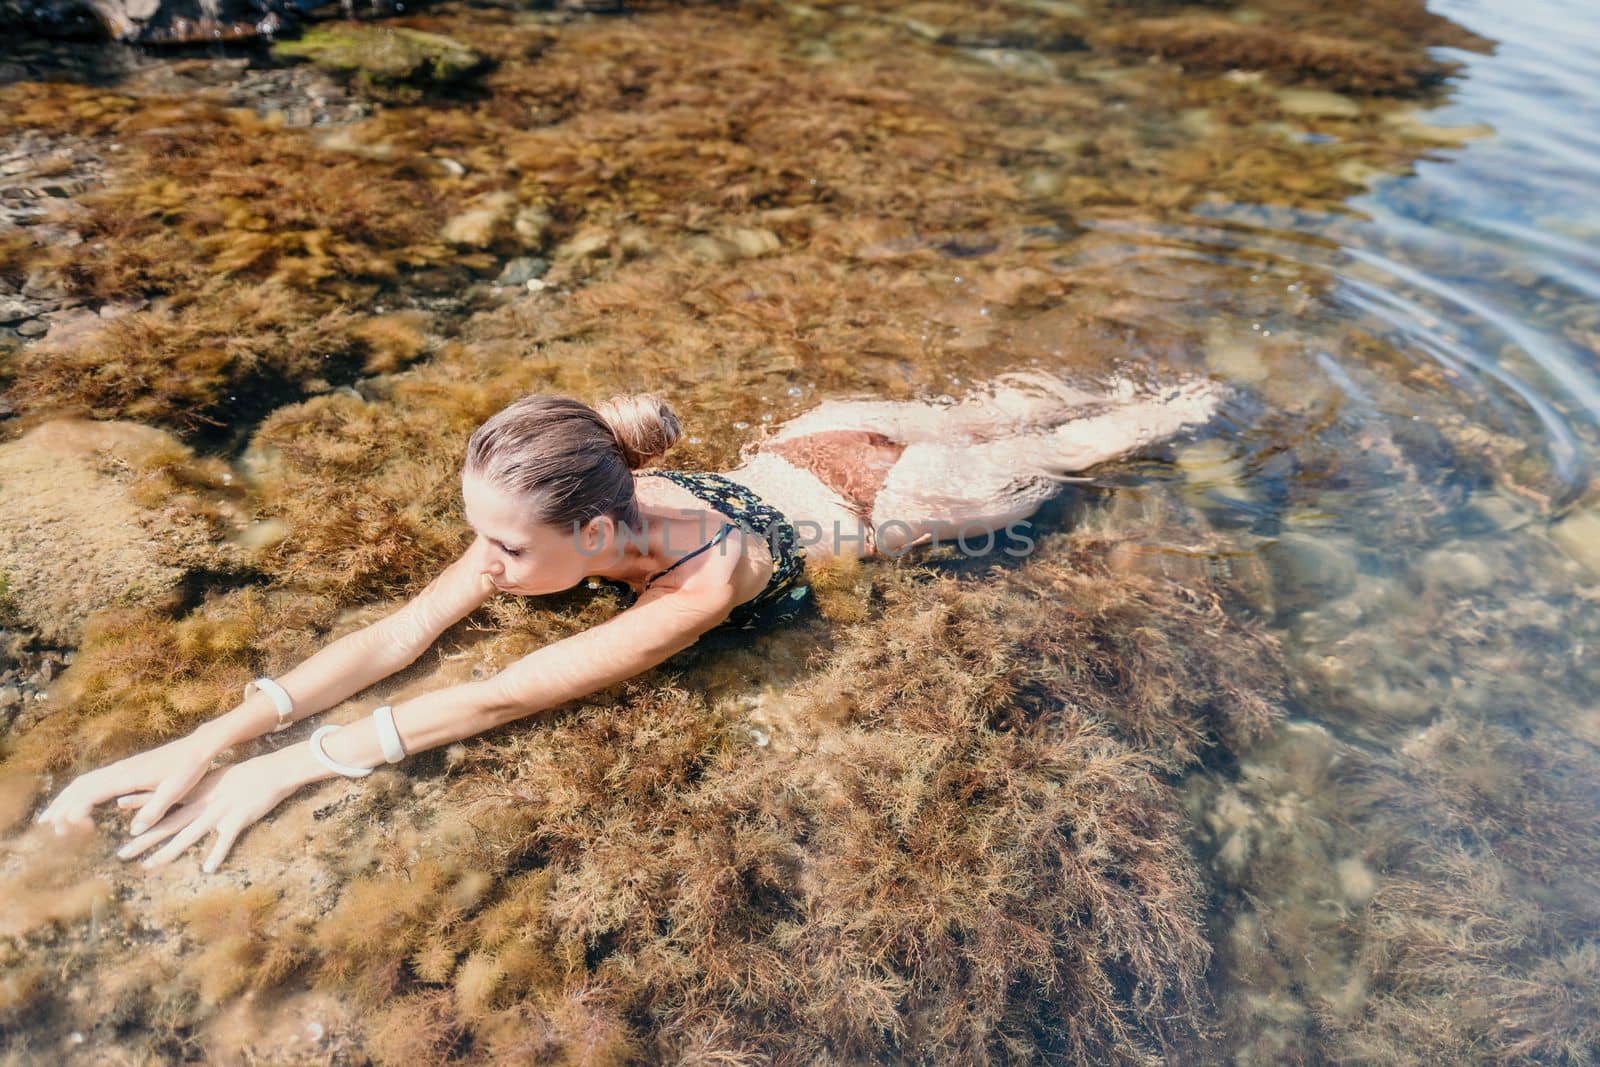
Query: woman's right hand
[166,774]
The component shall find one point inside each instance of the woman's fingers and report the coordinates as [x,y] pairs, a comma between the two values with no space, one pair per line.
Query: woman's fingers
[159,801]
[73,804]
[131,799]
[59,802]
[185,837]
[227,831]
[176,820]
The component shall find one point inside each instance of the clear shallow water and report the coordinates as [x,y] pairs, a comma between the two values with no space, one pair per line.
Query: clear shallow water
[1482,261]
[1421,484]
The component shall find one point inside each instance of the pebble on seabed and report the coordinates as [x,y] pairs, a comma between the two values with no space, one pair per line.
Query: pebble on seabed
[1356,880]
[1579,537]
[1211,469]
[1455,570]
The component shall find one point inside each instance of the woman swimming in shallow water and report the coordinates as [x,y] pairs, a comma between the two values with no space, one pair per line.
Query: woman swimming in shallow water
[556,493]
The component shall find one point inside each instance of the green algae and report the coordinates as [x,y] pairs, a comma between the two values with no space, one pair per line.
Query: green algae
[389,60]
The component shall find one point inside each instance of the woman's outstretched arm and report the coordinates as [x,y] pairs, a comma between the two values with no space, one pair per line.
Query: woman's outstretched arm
[163,775]
[661,623]
[359,659]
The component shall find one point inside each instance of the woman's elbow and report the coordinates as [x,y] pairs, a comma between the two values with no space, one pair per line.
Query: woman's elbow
[498,700]
[396,641]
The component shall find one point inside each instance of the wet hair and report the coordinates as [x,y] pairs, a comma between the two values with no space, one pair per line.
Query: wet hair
[569,461]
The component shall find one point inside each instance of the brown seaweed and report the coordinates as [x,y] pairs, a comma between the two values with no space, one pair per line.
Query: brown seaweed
[1210,45]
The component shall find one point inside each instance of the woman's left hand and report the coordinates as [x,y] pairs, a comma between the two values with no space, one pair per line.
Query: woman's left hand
[227,800]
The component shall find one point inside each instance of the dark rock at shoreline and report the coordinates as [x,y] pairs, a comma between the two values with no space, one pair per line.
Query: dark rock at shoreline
[180,23]
[148,21]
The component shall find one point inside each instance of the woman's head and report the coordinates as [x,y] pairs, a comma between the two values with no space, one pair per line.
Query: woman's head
[548,478]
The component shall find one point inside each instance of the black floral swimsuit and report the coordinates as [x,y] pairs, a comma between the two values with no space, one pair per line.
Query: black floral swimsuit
[785,594]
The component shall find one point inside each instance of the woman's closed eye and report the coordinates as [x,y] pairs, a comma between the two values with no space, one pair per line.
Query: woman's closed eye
[512,552]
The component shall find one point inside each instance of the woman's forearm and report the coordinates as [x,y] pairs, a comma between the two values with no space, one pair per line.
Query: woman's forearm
[423,722]
[640,638]
[543,679]
[359,659]
[337,671]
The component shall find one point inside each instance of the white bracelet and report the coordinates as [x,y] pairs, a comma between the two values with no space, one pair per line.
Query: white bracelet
[280,699]
[388,736]
[328,761]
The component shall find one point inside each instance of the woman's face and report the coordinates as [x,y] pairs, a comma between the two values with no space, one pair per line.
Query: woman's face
[522,556]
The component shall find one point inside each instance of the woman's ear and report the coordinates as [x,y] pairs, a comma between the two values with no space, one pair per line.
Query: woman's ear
[597,534]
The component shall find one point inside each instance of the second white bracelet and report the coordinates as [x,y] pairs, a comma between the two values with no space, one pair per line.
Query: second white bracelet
[328,761]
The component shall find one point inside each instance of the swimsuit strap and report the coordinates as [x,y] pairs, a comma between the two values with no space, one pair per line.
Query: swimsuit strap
[785,593]
[722,533]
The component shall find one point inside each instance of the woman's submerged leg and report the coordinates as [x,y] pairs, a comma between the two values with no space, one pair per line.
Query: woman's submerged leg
[915,472]
[1012,403]
[973,468]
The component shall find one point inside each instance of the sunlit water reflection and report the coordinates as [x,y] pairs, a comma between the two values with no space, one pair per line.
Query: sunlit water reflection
[1420,481]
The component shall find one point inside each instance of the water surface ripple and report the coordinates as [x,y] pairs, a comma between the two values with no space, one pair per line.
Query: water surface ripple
[1436,600]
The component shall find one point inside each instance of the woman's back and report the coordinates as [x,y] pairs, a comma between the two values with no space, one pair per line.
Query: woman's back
[785,593]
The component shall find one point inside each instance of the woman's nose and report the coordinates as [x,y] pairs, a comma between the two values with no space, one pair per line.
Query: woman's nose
[491,559]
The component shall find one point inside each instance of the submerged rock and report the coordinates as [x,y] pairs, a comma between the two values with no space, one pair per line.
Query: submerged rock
[478,225]
[385,59]
[1313,569]
[1317,103]
[1456,570]
[522,270]
[1579,537]
[73,538]
[1415,125]
[733,243]
[151,22]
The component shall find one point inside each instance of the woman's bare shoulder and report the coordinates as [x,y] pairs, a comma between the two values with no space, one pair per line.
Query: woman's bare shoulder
[736,566]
